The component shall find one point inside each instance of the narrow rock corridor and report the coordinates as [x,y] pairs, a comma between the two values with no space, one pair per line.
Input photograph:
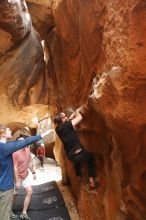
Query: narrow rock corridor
[64,55]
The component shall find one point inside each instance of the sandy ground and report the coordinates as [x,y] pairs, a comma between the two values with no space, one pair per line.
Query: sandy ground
[52,172]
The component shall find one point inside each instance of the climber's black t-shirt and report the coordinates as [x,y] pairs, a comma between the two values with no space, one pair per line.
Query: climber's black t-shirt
[69,137]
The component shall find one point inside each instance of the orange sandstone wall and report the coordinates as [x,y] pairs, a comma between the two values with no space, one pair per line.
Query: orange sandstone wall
[95,53]
[104,40]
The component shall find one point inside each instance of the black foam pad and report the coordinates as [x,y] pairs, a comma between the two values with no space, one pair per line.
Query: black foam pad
[59,213]
[41,201]
[38,189]
[47,203]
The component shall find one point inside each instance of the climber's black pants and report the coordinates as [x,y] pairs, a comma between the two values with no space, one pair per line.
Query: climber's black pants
[84,157]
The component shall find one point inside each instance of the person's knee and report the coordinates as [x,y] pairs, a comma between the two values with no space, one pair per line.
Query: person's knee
[29,190]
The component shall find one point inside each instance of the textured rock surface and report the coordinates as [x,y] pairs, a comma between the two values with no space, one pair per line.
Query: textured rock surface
[42,16]
[120,96]
[75,50]
[106,39]
[95,52]
[22,66]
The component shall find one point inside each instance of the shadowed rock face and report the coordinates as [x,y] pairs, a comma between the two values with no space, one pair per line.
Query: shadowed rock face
[75,50]
[22,66]
[96,54]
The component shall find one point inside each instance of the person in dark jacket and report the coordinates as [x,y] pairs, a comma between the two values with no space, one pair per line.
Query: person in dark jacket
[72,145]
[7,168]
